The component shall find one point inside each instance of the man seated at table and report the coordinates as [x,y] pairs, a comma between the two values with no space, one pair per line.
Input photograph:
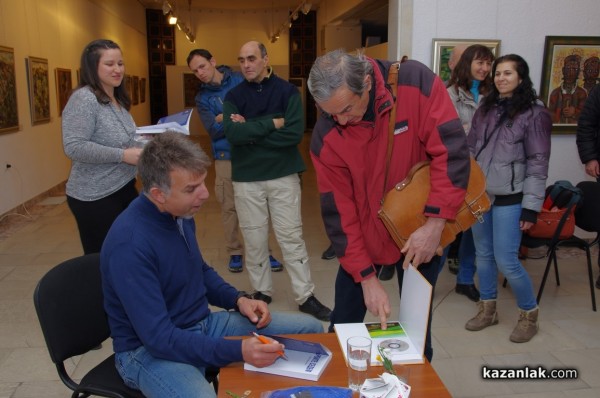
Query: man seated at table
[157,286]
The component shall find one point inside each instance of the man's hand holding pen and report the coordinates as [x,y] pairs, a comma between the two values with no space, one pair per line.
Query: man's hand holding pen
[259,353]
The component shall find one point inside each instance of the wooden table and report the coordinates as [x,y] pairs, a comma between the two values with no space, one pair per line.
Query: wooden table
[423,379]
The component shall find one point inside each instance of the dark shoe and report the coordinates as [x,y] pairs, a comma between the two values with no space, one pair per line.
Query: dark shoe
[386,273]
[261,297]
[329,253]
[453,265]
[275,265]
[235,263]
[313,307]
[598,283]
[468,290]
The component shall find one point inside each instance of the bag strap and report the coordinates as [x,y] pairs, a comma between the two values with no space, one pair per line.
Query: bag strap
[487,138]
[392,81]
[561,224]
[564,185]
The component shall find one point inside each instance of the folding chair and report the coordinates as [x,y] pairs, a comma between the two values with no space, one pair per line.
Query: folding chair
[555,242]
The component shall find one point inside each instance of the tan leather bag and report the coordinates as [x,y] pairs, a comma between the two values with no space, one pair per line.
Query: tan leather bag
[402,207]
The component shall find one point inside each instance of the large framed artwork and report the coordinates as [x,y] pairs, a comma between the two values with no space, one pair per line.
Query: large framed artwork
[64,86]
[39,89]
[9,115]
[442,48]
[190,88]
[570,69]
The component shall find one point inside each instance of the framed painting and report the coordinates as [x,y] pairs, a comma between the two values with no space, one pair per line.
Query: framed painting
[39,89]
[64,86]
[135,90]
[9,115]
[570,70]
[190,88]
[442,48]
[128,85]
[142,89]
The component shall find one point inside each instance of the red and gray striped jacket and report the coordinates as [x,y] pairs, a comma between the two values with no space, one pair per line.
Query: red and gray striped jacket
[350,164]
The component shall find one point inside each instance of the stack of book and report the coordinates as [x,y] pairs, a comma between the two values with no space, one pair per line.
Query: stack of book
[178,122]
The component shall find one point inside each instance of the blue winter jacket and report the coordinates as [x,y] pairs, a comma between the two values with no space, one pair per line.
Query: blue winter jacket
[209,102]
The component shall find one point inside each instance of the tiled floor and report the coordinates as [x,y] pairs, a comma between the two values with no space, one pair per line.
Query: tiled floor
[569,334]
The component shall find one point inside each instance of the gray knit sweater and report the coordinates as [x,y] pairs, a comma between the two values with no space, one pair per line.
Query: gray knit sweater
[94,137]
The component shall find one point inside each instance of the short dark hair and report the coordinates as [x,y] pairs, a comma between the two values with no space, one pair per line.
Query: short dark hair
[90,59]
[199,52]
[166,152]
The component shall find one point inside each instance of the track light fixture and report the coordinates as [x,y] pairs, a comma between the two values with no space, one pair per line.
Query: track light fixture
[166,7]
[304,7]
[170,10]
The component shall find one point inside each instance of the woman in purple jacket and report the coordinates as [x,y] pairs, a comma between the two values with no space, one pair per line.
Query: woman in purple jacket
[510,139]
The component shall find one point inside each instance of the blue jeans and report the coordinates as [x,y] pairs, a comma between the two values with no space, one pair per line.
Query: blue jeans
[497,242]
[466,258]
[160,378]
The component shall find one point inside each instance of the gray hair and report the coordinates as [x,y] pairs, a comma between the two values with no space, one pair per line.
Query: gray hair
[166,152]
[336,69]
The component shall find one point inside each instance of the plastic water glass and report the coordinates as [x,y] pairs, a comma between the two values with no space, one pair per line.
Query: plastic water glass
[359,360]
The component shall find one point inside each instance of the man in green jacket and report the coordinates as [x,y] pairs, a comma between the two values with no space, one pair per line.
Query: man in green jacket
[263,121]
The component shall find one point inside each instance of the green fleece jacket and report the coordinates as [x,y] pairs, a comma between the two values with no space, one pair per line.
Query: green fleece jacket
[259,151]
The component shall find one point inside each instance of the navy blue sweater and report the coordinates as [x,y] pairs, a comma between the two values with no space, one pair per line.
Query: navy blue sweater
[259,151]
[156,284]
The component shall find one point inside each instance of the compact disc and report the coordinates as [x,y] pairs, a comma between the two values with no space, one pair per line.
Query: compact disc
[393,345]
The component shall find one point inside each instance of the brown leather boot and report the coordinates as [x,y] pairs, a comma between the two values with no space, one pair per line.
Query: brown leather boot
[486,316]
[527,326]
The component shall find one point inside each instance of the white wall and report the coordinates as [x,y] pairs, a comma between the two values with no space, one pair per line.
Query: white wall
[522,26]
[58,30]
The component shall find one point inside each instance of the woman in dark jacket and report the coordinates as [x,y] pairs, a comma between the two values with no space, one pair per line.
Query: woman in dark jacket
[588,133]
[510,139]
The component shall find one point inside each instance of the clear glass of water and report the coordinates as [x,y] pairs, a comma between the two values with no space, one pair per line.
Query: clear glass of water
[359,360]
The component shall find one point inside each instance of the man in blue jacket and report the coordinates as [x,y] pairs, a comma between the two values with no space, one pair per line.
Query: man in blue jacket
[216,81]
[158,288]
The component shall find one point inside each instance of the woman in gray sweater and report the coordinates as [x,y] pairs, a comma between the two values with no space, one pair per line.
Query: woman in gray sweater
[98,137]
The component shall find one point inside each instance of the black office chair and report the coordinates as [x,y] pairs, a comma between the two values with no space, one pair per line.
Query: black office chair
[69,305]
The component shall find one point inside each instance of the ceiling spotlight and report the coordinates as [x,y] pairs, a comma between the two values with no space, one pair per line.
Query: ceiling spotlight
[306,8]
[191,37]
[172,20]
[166,7]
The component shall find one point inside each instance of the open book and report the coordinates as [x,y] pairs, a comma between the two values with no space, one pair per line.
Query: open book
[403,342]
[305,360]
[178,122]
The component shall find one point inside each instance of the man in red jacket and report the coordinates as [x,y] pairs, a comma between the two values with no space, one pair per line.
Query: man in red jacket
[348,149]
